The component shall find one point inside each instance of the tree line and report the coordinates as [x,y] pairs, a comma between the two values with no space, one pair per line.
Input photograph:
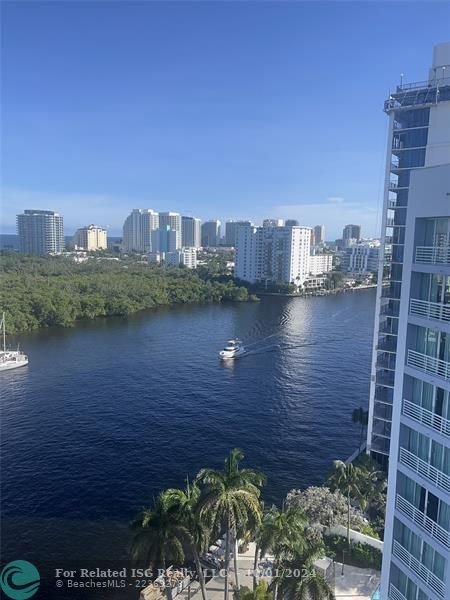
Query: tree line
[47,291]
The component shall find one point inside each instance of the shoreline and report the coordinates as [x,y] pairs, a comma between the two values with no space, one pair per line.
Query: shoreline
[318,292]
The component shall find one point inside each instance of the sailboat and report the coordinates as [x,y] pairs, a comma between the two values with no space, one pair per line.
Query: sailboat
[10,359]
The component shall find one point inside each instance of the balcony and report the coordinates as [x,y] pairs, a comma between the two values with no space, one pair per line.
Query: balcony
[428,364]
[437,532]
[387,344]
[429,310]
[426,417]
[394,594]
[433,255]
[389,222]
[425,470]
[385,378]
[392,204]
[414,565]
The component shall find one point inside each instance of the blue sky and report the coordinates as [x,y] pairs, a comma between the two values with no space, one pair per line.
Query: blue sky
[213,109]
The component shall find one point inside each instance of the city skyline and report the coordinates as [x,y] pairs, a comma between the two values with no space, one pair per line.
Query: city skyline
[230,133]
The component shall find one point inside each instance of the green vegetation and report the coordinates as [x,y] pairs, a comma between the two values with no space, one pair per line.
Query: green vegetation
[46,291]
[358,555]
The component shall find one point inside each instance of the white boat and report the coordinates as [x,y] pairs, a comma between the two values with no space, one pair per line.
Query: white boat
[10,359]
[233,349]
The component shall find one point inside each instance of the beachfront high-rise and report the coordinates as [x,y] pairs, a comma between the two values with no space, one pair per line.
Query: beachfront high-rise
[416,555]
[319,235]
[137,230]
[40,232]
[90,238]
[191,232]
[211,233]
[173,221]
[419,136]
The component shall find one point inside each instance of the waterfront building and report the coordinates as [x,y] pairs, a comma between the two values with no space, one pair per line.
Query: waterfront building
[191,232]
[273,223]
[361,259]
[137,230]
[351,234]
[211,234]
[319,235]
[172,220]
[273,254]
[320,263]
[231,231]
[90,238]
[416,412]
[418,137]
[40,232]
[186,257]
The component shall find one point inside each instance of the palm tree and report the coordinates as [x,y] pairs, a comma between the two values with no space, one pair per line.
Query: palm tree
[361,416]
[157,538]
[183,506]
[230,501]
[297,578]
[279,530]
[347,479]
[261,592]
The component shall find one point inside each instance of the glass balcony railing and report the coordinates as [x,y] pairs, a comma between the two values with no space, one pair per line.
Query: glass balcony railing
[419,569]
[429,310]
[418,517]
[395,594]
[435,255]
[425,470]
[428,364]
[426,417]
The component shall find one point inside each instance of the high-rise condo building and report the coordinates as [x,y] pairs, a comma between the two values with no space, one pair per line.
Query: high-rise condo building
[351,234]
[419,137]
[416,555]
[319,235]
[191,232]
[291,223]
[137,230]
[211,233]
[90,238]
[361,259]
[40,232]
[231,228]
[273,254]
[173,220]
[164,239]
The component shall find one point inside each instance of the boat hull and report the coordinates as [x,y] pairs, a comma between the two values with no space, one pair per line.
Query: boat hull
[13,365]
[224,355]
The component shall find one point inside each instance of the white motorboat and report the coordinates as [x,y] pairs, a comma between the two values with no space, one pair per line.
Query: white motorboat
[233,349]
[10,359]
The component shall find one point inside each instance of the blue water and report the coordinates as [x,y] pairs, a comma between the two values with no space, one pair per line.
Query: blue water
[110,412]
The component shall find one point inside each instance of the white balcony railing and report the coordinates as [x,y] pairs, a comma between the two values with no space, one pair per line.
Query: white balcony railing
[429,310]
[425,469]
[423,521]
[410,561]
[395,594]
[427,417]
[428,364]
[435,255]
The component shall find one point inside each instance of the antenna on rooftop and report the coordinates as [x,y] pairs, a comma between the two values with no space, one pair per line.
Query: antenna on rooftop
[401,79]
